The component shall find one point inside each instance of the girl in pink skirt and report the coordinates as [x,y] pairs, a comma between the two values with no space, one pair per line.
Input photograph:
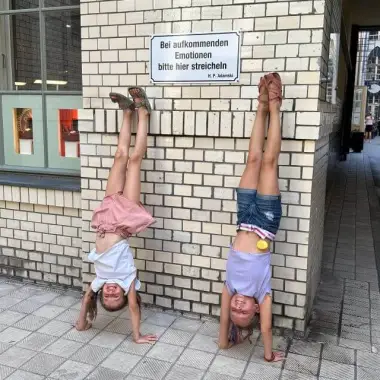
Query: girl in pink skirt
[119,216]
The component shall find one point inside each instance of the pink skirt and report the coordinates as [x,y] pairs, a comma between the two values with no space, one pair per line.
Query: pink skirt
[119,215]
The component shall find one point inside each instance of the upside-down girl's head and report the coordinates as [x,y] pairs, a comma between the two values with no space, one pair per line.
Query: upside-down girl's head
[112,298]
[243,310]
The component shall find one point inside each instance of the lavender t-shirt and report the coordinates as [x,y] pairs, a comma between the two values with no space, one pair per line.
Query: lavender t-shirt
[248,274]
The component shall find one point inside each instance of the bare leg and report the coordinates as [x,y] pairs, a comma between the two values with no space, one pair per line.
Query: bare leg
[268,183]
[251,174]
[116,178]
[132,186]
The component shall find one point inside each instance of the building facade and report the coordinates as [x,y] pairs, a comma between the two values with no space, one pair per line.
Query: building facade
[197,145]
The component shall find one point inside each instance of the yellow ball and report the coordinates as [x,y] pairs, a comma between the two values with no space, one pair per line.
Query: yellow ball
[262,245]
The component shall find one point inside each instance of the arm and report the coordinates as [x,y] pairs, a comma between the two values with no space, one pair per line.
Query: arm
[82,322]
[135,312]
[224,319]
[266,330]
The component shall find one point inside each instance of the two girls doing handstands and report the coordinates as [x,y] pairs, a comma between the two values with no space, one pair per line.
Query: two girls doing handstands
[247,289]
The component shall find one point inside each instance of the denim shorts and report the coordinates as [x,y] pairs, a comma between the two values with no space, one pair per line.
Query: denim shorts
[263,211]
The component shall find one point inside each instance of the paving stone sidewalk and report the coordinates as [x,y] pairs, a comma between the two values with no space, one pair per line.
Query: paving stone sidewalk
[38,341]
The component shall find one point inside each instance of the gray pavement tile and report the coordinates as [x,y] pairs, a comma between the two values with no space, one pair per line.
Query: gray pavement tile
[63,347]
[355,344]
[209,328]
[3,327]
[218,376]
[16,357]
[44,296]
[8,317]
[257,371]
[301,347]
[147,328]
[72,370]
[119,326]
[304,364]
[36,341]
[22,375]
[103,321]
[4,347]
[7,302]
[184,373]
[107,339]
[133,348]
[55,328]
[6,289]
[121,361]
[337,371]
[187,324]
[291,375]
[69,316]
[102,373]
[204,343]
[165,352]
[241,351]
[12,335]
[366,359]
[195,358]
[64,301]
[49,311]
[151,369]
[43,364]
[91,354]
[176,337]
[280,343]
[367,373]
[31,323]
[81,336]
[5,371]
[161,319]
[338,354]
[227,366]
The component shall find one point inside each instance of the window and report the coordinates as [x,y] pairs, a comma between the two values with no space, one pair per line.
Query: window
[40,85]
[373,36]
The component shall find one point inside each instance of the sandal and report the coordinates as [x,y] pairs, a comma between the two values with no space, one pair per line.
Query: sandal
[139,93]
[123,101]
[263,93]
[274,86]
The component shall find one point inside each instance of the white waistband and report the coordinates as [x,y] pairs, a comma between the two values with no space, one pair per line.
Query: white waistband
[263,234]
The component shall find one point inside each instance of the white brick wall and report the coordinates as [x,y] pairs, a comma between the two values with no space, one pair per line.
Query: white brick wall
[198,142]
[40,235]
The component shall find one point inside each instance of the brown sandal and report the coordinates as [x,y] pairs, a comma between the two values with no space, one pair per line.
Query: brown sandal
[274,85]
[139,93]
[123,102]
[263,97]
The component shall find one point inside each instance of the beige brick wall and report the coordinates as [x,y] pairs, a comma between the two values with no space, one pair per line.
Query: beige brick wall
[198,141]
[40,235]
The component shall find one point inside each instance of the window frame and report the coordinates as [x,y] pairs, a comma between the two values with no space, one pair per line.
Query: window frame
[43,94]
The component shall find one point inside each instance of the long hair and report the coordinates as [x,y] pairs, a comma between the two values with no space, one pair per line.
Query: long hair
[93,306]
[236,332]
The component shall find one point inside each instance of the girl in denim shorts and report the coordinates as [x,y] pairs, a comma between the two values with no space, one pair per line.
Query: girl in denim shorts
[247,289]
[119,216]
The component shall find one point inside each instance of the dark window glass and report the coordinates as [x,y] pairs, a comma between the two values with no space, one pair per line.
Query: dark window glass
[60,3]
[24,4]
[25,37]
[63,50]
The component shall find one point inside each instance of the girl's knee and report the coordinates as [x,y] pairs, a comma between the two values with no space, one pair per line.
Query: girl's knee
[121,154]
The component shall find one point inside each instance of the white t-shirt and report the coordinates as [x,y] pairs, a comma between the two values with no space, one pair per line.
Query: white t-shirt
[114,266]
[369,120]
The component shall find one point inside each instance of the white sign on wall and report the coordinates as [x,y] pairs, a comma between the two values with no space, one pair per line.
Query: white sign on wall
[199,57]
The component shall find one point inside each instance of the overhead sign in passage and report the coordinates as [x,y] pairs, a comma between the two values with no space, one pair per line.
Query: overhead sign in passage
[194,58]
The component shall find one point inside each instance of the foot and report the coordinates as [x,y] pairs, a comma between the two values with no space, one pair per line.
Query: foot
[140,99]
[123,102]
[274,86]
[263,97]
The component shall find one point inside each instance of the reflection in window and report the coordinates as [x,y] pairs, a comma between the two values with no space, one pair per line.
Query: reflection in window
[68,133]
[26,51]
[24,4]
[63,51]
[60,3]
[23,130]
